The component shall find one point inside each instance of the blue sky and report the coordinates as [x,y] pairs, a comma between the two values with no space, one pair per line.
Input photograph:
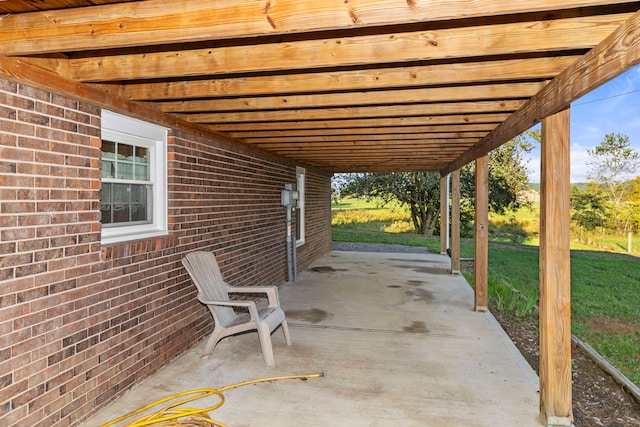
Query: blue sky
[612,108]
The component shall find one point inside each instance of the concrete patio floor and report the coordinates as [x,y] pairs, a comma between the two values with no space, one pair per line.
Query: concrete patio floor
[397,340]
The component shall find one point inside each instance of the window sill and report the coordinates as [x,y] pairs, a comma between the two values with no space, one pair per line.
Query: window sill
[126,237]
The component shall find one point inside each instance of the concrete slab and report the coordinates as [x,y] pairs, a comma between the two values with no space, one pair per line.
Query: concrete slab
[397,340]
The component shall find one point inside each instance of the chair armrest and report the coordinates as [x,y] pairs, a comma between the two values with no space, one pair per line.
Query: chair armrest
[251,305]
[270,291]
[226,303]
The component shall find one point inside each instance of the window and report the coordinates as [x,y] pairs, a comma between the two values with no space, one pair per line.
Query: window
[300,174]
[134,185]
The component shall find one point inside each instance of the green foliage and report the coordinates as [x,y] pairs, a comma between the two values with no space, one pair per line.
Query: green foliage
[419,192]
[613,163]
[507,173]
[588,208]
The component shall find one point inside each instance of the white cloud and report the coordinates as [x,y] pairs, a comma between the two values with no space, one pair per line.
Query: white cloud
[579,159]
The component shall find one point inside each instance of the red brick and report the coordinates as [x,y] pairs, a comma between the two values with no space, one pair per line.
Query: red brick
[124,310]
[37,119]
[33,93]
[32,269]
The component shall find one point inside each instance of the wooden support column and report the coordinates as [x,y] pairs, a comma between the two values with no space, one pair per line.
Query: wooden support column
[481,263]
[555,277]
[444,214]
[455,221]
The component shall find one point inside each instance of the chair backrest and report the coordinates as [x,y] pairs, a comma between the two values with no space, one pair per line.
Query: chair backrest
[205,273]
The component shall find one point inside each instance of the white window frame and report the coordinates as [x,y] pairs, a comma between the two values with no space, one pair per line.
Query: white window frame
[300,211]
[127,130]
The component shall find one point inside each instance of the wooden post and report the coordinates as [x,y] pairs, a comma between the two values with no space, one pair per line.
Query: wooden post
[455,221]
[481,257]
[555,276]
[444,214]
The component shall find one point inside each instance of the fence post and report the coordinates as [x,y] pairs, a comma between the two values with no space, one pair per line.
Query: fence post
[629,246]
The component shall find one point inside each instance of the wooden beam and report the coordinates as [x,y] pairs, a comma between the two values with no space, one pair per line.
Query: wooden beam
[458,130]
[156,22]
[455,222]
[439,44]
[369,150]
[413,120]
[555,274]
[367,153]
[481,239]
[359,98]
[449,108]
[612,57]
[415,138]
[379,78]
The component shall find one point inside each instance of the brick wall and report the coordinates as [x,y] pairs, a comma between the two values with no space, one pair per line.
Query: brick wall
[317,219]
[80,322]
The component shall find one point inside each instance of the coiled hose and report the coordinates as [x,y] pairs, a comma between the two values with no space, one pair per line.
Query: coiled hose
[198,417]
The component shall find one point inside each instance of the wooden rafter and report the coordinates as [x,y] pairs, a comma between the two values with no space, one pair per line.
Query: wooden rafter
[382,97]
[157,22]
[301,74]
[362,112]
[540,36]
[339,81]
[614,55]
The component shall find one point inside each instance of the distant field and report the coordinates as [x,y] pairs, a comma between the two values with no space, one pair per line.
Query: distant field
[605,285]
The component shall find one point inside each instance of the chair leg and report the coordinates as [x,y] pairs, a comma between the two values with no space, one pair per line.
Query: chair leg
[213,340]
[265,343]
[285,329]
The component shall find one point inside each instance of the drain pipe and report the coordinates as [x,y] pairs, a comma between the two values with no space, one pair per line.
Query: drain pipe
[294,249]
[289,260]
[288,198]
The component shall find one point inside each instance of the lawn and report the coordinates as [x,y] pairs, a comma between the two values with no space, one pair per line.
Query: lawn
[605,285]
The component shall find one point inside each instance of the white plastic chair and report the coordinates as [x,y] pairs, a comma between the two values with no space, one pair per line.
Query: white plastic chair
[214,292]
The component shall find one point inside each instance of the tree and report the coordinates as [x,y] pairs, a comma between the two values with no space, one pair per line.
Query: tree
[588,208]
[420,191]
[614,162]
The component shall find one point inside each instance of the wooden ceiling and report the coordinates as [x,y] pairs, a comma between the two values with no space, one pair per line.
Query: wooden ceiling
[346,85]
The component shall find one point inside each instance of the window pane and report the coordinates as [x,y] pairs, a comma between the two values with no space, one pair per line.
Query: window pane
[105,208]
[142,155]
[106,214]
[125,152]
[125,170]
[142,172]
[108,169]
[121,213]
[126,203]
[120,194]
[108,149]
[139,203]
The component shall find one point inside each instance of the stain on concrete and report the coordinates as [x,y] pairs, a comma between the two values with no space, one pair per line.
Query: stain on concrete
[326,269]
[314,315]
[416,327]
[421,295]
[416,282]
[427,270]
[419,261]
[394,286]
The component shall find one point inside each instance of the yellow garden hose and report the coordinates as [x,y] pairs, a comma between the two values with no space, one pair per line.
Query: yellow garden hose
[170,416]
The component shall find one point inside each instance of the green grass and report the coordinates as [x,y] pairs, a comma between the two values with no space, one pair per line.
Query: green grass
[605,298]
[605,285]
